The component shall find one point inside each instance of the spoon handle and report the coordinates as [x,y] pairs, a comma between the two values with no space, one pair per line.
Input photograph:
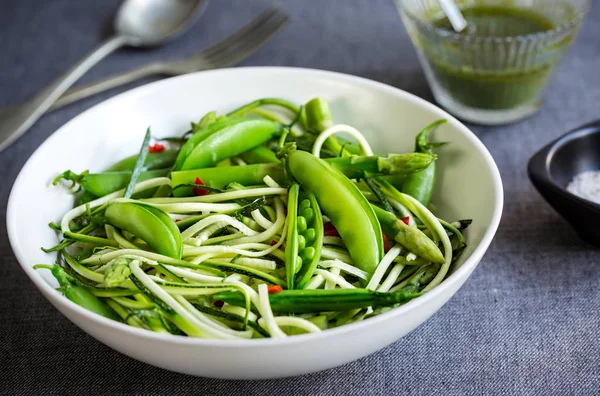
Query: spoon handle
[16,120]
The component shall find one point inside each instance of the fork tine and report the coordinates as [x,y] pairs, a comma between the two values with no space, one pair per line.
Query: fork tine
[249,43]
[240,34]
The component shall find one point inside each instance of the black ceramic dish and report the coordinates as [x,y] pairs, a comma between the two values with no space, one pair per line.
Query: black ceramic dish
[555,165]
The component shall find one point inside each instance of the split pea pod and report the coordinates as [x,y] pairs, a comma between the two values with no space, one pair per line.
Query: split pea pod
[231,140]
[334,300]
[304,237]
[410,237]
[343,203]
[150,224]
[311,232]
[79,294]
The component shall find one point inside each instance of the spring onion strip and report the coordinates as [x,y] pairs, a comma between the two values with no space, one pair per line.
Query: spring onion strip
[261,220]
[226,196]
[315,282]
[193,230]
[391,278]
[81,209]
[267,314]
[292,321]
[334,278]
[350,269]
[383,266]
[323,136]
[174,305]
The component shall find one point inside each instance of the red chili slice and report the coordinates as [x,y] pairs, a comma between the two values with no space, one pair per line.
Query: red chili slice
[200,191]
[156,148]
[386,242]
[330,230]
[406,220]
[274,288]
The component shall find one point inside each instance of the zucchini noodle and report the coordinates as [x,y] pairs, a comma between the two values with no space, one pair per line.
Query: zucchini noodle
[340,128]
[250,254]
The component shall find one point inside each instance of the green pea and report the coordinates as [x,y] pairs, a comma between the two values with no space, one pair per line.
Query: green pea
[307,254]
[301,224]
[298,265]
[305,204]
[301,242]
[308,214]
[310,236]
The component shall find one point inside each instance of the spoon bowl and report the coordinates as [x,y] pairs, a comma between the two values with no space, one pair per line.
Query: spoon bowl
[138,23]
[148,23]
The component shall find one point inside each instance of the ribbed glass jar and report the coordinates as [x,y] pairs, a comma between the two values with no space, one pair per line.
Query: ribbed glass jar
[492,73]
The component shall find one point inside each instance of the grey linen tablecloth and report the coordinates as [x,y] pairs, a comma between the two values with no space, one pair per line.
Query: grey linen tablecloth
[526,322]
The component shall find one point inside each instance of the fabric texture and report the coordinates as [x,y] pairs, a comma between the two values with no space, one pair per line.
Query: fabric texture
[525,323]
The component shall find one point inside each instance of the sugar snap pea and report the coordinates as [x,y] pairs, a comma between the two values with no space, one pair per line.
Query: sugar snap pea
[101,184]
[228,141]
[420,185]
[310,252]
[148,223]
[333,300]
[343,203]
[79,294]
[201,133]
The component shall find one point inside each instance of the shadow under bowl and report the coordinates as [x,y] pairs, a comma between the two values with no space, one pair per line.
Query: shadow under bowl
[555,165]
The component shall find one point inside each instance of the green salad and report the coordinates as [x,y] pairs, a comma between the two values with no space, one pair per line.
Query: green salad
[268,221]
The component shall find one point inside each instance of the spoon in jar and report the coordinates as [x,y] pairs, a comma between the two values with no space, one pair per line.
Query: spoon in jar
[452,12]
[138,23]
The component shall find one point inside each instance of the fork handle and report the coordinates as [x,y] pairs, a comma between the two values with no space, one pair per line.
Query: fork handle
[85,91]
[19,119]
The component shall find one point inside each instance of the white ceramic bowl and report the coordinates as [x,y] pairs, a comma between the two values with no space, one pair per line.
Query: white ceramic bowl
[469,186]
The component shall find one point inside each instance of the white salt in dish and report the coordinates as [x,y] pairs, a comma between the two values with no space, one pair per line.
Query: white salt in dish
[586,185]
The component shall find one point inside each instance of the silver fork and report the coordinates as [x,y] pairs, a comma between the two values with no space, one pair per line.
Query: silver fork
[228,52]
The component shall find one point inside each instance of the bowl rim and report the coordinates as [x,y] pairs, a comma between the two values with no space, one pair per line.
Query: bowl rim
[57,299]
[538,167]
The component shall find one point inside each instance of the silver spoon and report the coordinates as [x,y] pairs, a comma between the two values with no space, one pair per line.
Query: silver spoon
[138,23]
